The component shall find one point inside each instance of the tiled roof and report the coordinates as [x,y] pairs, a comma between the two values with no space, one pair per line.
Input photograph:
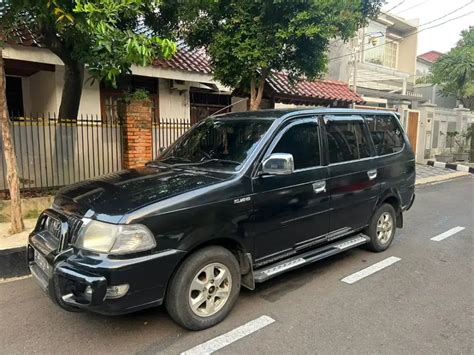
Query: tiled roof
[193,60]
[319,89]
[431,56]
[23,36]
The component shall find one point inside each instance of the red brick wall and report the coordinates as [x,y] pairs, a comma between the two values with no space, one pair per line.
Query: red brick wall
[137,134]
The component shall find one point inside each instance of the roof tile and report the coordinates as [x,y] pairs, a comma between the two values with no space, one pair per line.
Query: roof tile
[320,89]
[431,56]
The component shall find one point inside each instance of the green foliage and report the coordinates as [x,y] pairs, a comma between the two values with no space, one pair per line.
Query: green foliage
[137,95]
[454,71]
[105,35]
[248,38]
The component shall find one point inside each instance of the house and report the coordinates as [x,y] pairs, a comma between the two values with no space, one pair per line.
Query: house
[380,62]
[53,153]
[182,87]
[431,92]
[425,61]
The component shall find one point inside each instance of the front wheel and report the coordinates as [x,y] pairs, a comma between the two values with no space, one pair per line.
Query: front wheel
[204,288]
[381,229]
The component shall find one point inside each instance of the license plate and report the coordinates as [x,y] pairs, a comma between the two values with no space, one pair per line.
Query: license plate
[42,263]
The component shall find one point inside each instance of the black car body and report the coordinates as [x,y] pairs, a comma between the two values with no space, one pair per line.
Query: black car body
[361,160]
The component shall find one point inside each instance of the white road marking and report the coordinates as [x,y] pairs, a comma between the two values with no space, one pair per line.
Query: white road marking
[228,338]
[370,270]
[447,234]
[12,279]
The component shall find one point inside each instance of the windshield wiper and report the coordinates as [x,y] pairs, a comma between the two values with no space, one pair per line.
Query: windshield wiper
[226,161]
[172,157]
[156,164]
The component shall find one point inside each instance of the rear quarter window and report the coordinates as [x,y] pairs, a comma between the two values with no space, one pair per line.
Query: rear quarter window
[346,141]
[386,134]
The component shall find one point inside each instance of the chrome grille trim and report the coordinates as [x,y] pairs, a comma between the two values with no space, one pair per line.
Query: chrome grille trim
[61,227]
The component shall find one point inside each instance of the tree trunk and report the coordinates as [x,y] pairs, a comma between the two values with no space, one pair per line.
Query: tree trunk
[10,158]
[72,90]
[256,94]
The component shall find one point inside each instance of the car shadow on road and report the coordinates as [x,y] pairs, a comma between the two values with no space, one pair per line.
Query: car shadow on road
[278,287]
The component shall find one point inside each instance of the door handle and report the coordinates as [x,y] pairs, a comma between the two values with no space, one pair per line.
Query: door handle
[372,174]
[319,186]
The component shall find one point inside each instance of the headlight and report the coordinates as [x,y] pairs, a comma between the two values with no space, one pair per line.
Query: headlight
[114,239]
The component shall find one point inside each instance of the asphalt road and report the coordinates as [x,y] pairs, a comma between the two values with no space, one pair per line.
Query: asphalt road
[424,303]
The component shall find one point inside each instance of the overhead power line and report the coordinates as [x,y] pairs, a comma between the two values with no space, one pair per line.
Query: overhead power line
[397,5]
[446,15]
[409,35]
[413,6]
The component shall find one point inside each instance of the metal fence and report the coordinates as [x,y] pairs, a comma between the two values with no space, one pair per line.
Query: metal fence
[165,132]
[52,153]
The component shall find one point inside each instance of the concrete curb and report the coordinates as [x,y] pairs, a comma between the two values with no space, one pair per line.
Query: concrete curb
[452,166]
[439,178]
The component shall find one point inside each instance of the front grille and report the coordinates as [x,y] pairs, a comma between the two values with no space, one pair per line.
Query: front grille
[74,224]
[53,224]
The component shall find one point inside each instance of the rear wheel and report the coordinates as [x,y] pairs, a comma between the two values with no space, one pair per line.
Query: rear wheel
[204,288]
[382,228]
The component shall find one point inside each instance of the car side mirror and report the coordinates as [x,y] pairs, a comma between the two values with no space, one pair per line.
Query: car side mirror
[278,164]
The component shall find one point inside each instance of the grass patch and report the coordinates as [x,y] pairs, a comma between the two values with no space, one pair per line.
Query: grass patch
[32,214]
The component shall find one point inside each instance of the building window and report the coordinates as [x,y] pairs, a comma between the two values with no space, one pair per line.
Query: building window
[14,92]
[391,54]
[206,103]
[110,98]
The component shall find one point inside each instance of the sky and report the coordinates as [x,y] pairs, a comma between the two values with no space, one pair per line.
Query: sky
[441,38]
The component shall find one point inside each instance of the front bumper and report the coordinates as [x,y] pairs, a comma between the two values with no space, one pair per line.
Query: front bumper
[77,280]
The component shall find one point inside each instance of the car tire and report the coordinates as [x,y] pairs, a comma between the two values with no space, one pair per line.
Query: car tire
[204,288]
[382,228]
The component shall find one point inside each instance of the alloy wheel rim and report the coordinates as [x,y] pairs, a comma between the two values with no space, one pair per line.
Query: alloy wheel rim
[384,227]
[210,289]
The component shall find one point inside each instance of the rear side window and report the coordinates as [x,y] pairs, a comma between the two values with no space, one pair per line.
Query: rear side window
[386,134]
[302,141]
[346,141]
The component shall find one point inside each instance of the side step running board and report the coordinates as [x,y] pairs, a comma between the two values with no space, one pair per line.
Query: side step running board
[309,257]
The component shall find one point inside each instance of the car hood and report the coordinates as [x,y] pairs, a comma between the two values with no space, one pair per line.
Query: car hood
[125,191]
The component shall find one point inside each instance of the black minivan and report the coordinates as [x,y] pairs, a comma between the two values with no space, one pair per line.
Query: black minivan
[237,200]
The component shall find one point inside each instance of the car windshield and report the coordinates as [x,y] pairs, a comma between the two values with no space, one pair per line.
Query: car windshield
[221,144]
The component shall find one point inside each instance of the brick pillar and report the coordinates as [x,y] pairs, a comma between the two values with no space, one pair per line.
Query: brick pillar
[137,134]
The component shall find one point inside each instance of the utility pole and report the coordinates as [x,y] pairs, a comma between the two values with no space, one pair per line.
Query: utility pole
[358,56]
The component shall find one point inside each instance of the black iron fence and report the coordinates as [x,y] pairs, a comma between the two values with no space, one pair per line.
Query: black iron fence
[52,153]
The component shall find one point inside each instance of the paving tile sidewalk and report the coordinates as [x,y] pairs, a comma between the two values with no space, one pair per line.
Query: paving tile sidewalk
[427,174]
[424,174]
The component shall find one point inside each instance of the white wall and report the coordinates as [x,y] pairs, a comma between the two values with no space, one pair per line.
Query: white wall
[422,68]
[239,104]
[42,93]
[90,99]
[173,103]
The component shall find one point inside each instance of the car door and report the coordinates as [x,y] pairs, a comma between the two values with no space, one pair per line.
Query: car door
[353,184]
[394,160]
[291,211]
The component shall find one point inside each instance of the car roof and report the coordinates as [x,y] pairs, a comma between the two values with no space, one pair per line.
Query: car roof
[278,113]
